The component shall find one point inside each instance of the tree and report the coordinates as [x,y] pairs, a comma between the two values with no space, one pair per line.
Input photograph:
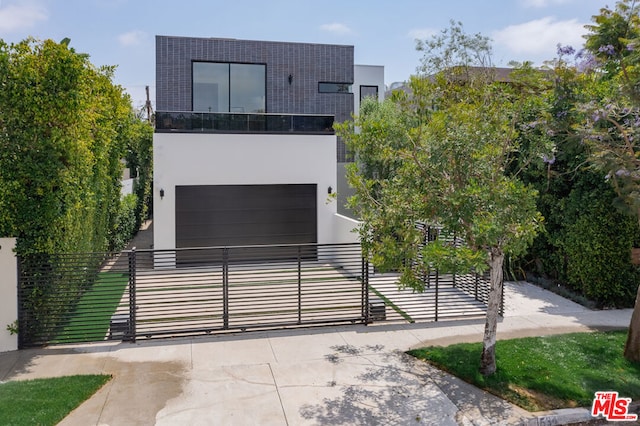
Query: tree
[445,154]
[612,126]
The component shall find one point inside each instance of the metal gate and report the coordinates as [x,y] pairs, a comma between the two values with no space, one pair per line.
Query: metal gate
[146,294]
[138,294]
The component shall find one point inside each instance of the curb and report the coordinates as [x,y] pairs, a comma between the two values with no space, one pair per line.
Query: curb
[562,416]
[566,416]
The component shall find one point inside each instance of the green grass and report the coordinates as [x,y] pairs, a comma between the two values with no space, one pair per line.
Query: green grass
[542,373]
[393,306]
[45,401]
[90,319]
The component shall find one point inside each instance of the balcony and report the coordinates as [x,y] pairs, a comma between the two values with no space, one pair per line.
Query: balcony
[217,122]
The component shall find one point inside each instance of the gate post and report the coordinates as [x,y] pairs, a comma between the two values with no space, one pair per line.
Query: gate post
[365,290]
[501,311]
[8,294]
[132,296]
[437,288]
[476,286]
[225,288]
[299,287]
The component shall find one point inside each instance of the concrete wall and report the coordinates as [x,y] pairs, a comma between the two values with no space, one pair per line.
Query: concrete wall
[8,293]
[343,233]
[240,159]
[344,230]
[364,75]
[344,191]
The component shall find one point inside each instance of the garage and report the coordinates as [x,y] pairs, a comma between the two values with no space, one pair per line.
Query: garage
[239,215]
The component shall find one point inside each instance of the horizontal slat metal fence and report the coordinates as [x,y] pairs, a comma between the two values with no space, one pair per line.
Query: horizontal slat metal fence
[160,293]
[65,298]
[208,290]
[445,296]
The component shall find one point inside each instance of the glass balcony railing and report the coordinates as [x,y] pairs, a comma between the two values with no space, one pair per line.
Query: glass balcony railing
[216,122]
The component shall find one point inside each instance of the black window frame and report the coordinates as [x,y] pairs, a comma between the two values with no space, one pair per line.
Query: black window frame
[377,95]
[327,84]
[264,64]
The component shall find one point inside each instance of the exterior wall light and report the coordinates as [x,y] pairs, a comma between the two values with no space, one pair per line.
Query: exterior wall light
[290,79]
[161,193]
[330,190]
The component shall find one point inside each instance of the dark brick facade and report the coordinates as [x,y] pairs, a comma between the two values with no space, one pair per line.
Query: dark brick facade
[307,63]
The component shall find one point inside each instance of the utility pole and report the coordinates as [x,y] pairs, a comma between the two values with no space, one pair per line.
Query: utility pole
[148,106]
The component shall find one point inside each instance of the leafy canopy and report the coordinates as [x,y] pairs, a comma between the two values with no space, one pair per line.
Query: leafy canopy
[446,154]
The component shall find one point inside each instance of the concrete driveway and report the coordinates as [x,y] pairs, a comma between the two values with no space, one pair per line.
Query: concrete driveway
[351,375]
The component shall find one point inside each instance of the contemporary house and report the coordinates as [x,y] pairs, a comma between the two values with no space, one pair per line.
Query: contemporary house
[244,149]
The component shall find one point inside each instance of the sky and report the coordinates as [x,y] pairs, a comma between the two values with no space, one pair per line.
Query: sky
[122,32]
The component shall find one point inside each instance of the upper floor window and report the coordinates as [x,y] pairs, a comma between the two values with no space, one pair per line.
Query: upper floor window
[368,91]
[225,87]
[334,87]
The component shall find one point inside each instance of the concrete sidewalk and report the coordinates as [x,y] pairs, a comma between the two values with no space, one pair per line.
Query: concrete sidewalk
[351,375]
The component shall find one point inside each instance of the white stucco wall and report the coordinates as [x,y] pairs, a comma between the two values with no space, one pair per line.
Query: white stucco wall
[367,75]
[240,159]
[8,293]
[345,229]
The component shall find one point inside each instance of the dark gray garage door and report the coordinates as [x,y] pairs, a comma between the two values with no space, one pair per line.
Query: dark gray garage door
[233,215]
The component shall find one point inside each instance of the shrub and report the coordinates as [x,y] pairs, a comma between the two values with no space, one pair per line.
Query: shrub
[597,247]
[126,222]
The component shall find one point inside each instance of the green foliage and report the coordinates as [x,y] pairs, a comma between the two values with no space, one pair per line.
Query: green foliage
[65,127]
[126,222]
[62,139]
[139,157]
[544,373]
[612,36]
[440,156]
[587,241]
[13,328]
[611,126]
[45,401]
[597,244]
[454,48]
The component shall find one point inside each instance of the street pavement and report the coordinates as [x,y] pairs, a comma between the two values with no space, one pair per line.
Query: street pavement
[346,375]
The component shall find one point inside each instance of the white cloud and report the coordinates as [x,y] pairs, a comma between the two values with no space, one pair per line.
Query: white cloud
[542,3]
[422,33]
[336,28]
[18,17]
[132,38]
[540,36]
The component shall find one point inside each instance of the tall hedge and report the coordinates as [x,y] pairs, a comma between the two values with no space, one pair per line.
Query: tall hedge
[587,241]
[597,241]
[63,132]
[64,129]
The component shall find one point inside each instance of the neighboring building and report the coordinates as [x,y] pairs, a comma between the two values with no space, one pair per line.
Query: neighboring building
[244,150]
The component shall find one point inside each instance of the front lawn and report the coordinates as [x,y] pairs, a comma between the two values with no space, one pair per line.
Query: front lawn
[544,373]
[45,401]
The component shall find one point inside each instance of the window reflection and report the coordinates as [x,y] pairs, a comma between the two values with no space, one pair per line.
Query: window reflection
[334,87]
[224,87]
[368,91]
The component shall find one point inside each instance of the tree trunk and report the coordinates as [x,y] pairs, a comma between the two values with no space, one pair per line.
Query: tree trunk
[488,359]
[632,347]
